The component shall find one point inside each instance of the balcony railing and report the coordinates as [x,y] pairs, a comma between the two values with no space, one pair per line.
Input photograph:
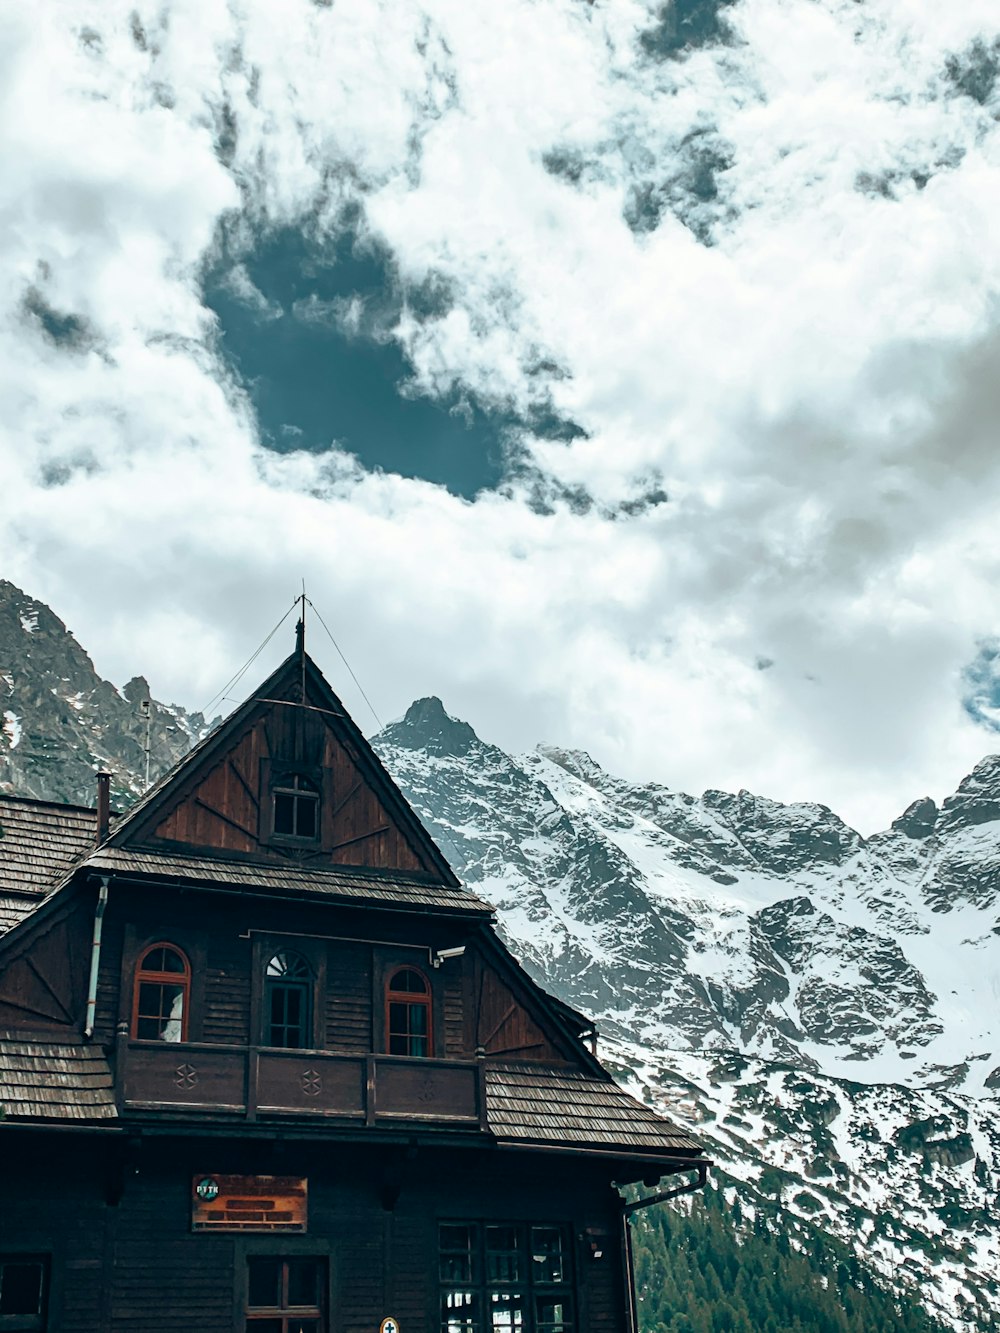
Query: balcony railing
[253,1082]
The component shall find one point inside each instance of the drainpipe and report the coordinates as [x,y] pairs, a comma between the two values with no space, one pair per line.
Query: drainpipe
[95,957]
[103,806]
[631,1319]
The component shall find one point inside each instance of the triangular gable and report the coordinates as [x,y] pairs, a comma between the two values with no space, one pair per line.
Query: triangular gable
[220,799]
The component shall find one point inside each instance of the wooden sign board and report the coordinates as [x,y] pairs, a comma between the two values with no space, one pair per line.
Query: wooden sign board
[248,1203]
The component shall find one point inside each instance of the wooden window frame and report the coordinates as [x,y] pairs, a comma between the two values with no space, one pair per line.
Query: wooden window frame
[22,1323]
[532,1288]
[283,1247]
[414,998]
[275,774]
[306,985]
[265,946]
[140,975]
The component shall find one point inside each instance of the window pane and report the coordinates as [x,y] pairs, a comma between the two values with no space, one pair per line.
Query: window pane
[296,1325]
[303,1282]
[551,1314]
[163,960]
[506,1310]
[306,808]
[458,1253]
[547,1259]
[161,1011]
[267,1325]
[284,812]
[21,1288]
[418,1019]
[459,1312]
[408,982]
[264,1283]
[504,1262]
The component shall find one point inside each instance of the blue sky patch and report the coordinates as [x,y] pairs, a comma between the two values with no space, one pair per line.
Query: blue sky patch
[306,325]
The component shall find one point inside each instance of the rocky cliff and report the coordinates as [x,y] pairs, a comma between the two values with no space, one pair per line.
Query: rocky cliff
[60,722]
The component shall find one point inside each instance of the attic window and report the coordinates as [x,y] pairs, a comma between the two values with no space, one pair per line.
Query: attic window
[296,808]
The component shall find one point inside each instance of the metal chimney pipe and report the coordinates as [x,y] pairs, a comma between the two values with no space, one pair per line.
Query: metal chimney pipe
[103,806]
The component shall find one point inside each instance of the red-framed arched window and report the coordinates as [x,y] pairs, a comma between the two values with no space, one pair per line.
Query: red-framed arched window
[162,996]
[408,1018]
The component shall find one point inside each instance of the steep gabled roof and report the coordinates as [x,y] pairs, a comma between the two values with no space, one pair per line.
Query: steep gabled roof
[298,683]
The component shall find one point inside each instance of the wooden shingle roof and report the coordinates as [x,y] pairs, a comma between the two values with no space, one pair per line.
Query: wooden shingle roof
[347,885]
[529,1103]
[39,842]
[54,1080]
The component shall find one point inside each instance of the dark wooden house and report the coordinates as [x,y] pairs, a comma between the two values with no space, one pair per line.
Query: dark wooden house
[265,1065]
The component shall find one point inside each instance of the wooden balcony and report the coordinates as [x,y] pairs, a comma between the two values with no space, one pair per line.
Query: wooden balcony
[256,1082]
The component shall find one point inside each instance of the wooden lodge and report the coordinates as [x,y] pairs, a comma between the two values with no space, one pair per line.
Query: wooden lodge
[265,1065]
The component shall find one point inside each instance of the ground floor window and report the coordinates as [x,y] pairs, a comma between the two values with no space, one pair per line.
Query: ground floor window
[505,1278]
[285,1295]
[24,1281]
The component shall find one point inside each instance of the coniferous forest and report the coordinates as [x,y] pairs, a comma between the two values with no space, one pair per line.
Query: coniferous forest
[708,1267]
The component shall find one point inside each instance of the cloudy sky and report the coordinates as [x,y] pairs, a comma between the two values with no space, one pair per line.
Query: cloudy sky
[625,373]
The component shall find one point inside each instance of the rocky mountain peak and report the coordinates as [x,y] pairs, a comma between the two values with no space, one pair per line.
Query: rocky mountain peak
[427,726]
[918,819]
[977,800]
[60,721]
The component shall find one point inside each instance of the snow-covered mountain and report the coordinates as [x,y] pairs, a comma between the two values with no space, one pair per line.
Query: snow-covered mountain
[820,1007]
[60,722]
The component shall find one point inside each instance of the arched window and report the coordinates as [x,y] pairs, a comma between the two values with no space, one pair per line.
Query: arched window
[296,808]
[288,993]
[162,995]
[408,1013]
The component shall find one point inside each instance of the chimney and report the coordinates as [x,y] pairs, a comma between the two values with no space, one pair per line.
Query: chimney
[103,806]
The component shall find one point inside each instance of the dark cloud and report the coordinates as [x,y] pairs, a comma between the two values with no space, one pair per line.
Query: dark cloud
[974,72]
[70,332]
[690,189]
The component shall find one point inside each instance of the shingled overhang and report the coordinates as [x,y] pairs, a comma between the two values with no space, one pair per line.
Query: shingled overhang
[348,886]
[55,1079]
[40,841]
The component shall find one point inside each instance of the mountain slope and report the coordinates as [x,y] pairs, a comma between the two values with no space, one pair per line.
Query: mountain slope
[60,722]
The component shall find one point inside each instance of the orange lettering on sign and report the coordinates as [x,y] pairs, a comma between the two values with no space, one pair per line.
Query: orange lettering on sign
[248,1203]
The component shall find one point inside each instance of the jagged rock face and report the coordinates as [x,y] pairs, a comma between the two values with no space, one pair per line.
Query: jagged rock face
[727,920]
[60,722]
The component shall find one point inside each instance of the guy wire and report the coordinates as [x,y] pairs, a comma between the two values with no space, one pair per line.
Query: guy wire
[381,724]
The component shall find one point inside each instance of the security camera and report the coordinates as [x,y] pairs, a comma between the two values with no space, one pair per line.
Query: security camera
[438,958]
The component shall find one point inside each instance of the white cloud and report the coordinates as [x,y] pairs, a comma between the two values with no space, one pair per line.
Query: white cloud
[815,390]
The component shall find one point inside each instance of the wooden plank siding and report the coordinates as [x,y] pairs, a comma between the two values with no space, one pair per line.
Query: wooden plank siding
[228,809]
[136,1266]
[43,982]
[505,1029]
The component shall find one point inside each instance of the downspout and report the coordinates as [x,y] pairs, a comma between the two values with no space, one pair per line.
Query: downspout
[95,957]
[631,1319]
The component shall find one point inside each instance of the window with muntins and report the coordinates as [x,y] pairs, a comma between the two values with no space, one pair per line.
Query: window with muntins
[296,808]
[408,1013]
[162,995]
[285,1295]
[24,1283]
[505,1278]
[288,995]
